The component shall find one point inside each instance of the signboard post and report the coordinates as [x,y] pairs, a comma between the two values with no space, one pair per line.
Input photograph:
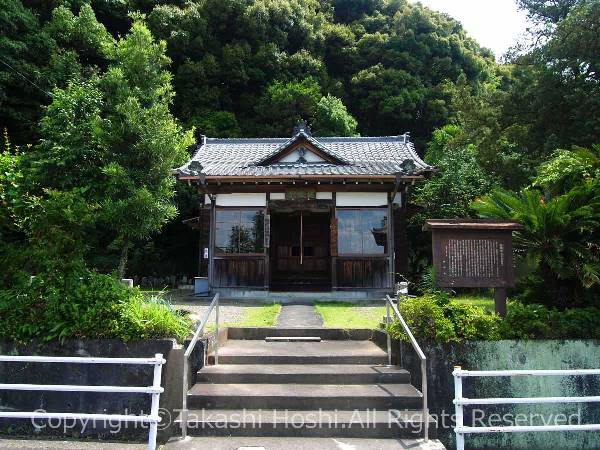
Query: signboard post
[474,253]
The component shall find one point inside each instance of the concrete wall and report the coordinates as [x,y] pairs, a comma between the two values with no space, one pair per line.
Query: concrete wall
[93,374]
[570,354]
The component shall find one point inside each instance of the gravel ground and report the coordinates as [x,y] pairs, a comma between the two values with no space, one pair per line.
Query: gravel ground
[234,312]
[229,312]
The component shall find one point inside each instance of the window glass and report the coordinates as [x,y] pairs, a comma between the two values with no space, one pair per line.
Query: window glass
[239,231]
[362,231]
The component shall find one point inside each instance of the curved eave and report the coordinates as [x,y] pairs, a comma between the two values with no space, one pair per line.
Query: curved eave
[280,178]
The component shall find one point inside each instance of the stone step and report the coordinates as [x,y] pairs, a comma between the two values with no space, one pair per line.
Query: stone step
[324,352]
[292,339]
[304,396]
[287,443]
[303,374]
[328,334]
[317,423]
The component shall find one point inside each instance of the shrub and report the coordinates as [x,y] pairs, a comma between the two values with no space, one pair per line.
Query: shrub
[524,321]
[425,318]
[580,323]
[434,317]
[84,304]
[472,322]
[532,321]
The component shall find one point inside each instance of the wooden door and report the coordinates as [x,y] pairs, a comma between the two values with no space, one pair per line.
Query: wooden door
[300,258]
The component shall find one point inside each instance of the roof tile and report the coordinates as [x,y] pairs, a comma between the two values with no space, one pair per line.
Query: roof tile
[361,156]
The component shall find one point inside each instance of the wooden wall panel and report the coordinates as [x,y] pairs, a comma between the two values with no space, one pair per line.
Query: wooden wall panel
[239,272]
[371,273]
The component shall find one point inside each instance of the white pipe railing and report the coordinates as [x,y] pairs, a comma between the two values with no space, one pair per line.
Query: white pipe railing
[184,411]
[390,304]
[155,390]
[460,402]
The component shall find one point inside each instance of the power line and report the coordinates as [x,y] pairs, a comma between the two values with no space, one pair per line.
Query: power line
[24,77]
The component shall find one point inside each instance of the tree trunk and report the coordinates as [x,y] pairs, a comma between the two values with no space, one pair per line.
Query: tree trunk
[124,257]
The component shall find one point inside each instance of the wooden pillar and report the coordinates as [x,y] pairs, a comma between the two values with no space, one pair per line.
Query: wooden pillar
[400,240]
[333,245]
[201,242]
[267,239]
[500,296]
[390,237]
[211,242]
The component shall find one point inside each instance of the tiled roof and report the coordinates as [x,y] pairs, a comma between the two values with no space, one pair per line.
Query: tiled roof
[357,155]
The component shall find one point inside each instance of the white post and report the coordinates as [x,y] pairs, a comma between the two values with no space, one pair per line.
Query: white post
[424,391]
[388,322]
[217,332]
[155,401]
[458,396]
[184,389]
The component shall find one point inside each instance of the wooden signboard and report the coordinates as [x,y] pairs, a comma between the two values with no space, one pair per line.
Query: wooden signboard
[474,253]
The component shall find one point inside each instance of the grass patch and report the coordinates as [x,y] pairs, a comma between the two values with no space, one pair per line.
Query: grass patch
[350,315]
[254,316]
[155,318]
[486,303]
[260,316]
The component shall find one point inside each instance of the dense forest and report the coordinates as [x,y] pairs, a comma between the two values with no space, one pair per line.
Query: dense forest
[84,172]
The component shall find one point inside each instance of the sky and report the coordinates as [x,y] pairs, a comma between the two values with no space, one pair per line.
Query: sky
[495,24]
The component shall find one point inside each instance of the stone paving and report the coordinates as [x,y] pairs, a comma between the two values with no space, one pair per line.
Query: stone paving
[299,316]
[278,443]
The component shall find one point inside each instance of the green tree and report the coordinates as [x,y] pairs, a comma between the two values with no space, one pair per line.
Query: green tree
[555,93]
[331,118]
[11,180]
[458,181]
[113,141]
[548,12]
[144,139]
[569,169]
[217,124]
[559,241]
[285,103]
[24,51]
[448,194]
[71,148]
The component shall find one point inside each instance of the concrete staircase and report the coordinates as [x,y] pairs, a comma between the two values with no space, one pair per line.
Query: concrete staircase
[277,391]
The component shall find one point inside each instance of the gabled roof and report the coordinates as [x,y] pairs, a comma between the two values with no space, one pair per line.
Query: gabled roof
[301,135]
[342,156]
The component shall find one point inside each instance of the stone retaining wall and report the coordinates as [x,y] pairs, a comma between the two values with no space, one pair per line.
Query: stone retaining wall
[515,355]
[93,374]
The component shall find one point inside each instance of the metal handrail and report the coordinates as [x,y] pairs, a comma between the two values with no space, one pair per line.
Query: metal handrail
[186,356]
[390,303]
[460,402]
[155,390]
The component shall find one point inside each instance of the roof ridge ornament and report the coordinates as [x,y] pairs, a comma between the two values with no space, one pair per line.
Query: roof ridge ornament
[195,168]
[408,167]
[302,127]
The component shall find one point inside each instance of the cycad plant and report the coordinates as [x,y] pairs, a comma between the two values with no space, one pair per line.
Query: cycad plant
[560,239]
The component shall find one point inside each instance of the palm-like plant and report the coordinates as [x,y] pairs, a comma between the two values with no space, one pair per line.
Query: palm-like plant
[560,238]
